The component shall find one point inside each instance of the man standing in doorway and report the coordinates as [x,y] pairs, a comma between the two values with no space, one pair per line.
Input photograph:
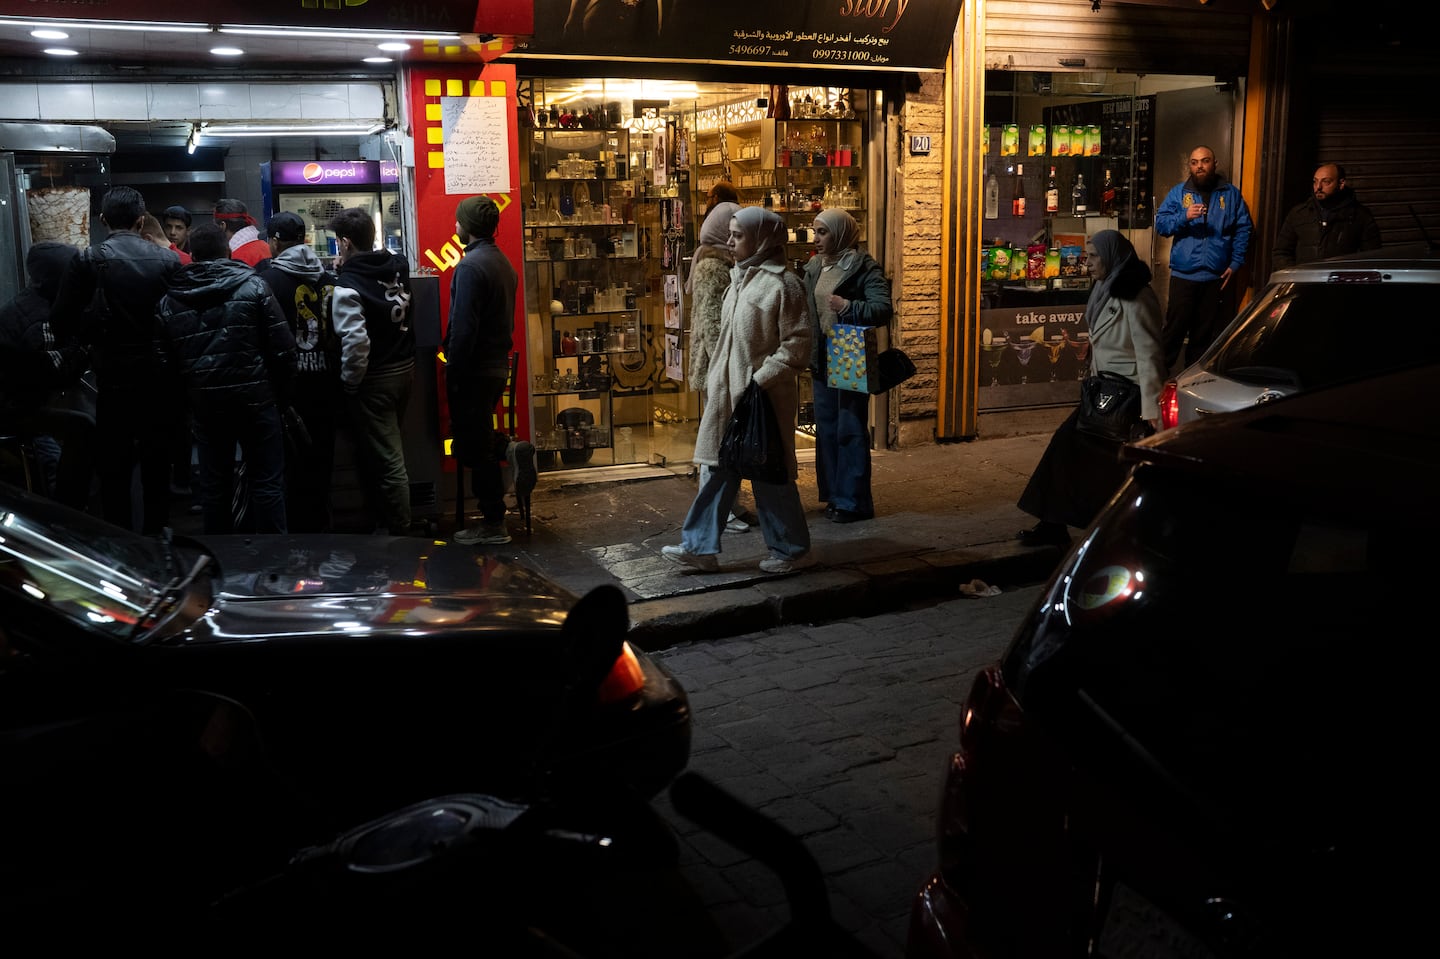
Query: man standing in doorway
[242,233]
[371,311]
[477,347]
[1328,224]
[138,399]
[1211,227]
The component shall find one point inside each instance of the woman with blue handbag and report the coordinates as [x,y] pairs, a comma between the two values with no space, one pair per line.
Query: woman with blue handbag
[844,285]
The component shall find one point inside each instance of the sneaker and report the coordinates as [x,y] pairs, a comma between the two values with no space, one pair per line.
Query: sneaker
[482,535]
[677,554]
[736,525]
[778,563]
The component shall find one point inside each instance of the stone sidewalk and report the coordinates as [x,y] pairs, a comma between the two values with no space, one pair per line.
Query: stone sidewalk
[945,515]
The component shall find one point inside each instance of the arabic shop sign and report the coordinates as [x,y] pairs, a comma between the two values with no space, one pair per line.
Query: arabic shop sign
[843,34]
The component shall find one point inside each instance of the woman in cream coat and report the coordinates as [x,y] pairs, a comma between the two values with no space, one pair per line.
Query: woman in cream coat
[764,336]
[1079,473]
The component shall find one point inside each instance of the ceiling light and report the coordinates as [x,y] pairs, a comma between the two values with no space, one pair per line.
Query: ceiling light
[352,129]
[302,33]
[194,140]
[62,52]
[227,51]
[395,46]
[130,25]
[379,59]
[49,34]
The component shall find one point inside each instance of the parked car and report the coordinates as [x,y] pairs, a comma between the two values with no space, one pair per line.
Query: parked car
[1206,738]
[1312,325]
[227,699]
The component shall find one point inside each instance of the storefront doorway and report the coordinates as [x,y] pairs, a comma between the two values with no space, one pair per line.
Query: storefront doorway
[614,179]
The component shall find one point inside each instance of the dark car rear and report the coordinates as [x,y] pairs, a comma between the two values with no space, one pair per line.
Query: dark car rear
[1204,739]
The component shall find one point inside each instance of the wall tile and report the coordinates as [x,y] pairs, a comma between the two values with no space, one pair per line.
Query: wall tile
[122,101]
[67,101]
[174,101]
[21,101]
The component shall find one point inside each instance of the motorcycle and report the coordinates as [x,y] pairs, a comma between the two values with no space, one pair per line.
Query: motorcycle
[540,879]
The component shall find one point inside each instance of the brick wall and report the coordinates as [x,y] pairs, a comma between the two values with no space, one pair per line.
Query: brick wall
[917,194]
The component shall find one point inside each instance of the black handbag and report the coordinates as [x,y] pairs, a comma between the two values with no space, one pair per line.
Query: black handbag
[752,446]
[895,368]
[1110,408]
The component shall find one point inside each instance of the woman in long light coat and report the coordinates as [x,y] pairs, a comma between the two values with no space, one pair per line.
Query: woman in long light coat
[764,336]
[1078,473]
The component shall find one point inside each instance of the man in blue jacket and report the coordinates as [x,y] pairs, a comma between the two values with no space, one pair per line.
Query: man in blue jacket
[1211,227]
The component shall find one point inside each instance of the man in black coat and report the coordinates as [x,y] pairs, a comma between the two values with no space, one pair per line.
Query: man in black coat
[224,331]
[1328,224]
[41,392]
[137,403]
[478,340]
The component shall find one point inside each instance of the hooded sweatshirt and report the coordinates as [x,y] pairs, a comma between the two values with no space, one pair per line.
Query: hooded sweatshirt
[304,289]
[371,308]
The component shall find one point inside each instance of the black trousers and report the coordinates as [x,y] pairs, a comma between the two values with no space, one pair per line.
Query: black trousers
[1197,310]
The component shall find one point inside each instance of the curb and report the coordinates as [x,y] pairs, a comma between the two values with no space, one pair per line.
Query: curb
[833,593]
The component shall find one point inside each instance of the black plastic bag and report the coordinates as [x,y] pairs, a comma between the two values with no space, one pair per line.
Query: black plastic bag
[752,446]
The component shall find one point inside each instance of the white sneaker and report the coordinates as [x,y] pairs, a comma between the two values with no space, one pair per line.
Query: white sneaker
[778,563]
[482,535]
[707,563]
[736,525]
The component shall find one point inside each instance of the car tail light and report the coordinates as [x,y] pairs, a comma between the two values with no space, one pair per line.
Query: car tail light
[1169,405]
[625,679]
[986,700]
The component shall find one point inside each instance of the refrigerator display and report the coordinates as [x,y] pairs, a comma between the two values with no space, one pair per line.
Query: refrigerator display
[316,190]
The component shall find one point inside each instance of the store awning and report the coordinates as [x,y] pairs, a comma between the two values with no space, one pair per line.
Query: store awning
[906,35]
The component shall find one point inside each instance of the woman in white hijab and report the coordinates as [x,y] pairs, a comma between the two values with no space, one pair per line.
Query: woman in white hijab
[708,280]
[765,337]
[1078,473]
[844,285]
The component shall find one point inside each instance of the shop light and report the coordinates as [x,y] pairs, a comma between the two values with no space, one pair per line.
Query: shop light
[49,34]
[129,25]
[194,140]
[316,129]
[320,33]
[227,51]
[62,52]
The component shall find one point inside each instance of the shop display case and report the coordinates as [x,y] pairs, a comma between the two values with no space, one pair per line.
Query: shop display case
[796,167]
[591,236]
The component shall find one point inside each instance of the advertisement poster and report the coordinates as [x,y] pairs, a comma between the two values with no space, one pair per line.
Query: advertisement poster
[1032,355]
[674,358]
[838,34]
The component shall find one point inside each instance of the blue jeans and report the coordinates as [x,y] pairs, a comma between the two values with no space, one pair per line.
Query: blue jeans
[782,517]
[842,448]
[258,433]
[377,412]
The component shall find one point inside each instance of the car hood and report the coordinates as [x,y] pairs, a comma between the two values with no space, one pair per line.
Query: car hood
[1325,440]
[359,587]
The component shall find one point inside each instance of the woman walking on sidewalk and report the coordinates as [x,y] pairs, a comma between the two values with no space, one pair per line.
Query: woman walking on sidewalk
[844,285]
[1078,473]
[764,336]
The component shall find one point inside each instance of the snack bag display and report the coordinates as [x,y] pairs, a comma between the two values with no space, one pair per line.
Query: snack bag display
[1037,140]
[1052,262]
[1060,140]
[999,263]
[1010,140]
[1035,262]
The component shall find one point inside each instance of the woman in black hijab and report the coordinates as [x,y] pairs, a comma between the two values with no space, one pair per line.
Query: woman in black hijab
[1079,473]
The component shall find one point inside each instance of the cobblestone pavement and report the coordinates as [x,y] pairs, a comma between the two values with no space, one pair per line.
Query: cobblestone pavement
[841,733]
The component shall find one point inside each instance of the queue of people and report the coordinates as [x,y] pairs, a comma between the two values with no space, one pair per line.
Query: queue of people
[266,355]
